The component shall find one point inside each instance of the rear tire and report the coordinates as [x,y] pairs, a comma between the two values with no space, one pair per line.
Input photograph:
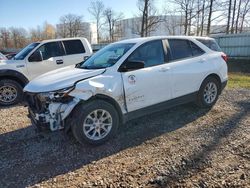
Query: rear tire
[11,92]
[208,93]
[95,122]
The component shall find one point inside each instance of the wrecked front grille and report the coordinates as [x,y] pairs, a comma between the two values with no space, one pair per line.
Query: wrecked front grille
[35,102]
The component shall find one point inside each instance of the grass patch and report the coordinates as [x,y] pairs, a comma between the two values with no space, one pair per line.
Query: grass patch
[239,80]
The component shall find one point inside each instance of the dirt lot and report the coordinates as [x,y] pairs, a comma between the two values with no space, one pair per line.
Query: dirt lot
[181,147]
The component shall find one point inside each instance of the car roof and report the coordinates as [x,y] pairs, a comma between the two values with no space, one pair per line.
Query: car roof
[63,39]
[145,39]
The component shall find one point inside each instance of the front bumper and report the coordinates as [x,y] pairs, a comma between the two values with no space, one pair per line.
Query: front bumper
[48,114]
[39,124]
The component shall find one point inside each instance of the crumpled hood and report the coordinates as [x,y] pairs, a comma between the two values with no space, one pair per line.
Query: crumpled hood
[60,79]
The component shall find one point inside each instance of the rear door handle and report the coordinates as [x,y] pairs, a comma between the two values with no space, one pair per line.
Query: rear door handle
[59,61]
[202,61]
[165,69]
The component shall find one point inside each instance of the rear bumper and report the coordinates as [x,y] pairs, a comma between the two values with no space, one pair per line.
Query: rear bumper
[223,85]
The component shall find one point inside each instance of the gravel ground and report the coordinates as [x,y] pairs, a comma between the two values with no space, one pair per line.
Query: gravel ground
[181,147]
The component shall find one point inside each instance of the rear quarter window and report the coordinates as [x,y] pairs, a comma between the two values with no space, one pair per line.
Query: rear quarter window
[211,44]
[73,47]
[197,51]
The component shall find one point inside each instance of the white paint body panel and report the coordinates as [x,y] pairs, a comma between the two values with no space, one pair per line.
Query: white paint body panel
[148,86]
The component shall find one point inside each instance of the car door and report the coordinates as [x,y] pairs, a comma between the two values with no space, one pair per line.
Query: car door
[75,52]
[51,59]
[188,66]
[151,84]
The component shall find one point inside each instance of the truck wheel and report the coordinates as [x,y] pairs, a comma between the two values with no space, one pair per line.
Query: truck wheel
[208,93]
[95,122]
[11,92]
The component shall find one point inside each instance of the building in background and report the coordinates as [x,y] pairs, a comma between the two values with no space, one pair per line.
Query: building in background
[167,25]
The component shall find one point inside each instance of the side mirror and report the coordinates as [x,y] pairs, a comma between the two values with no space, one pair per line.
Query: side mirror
[36,57]
[131,65]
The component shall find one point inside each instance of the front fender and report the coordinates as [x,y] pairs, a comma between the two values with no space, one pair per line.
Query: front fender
[111,86]
[14,74]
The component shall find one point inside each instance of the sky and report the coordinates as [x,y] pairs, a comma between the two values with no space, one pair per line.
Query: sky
[31,13]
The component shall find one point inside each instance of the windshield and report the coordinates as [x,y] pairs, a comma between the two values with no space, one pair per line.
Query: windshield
[24,52]
[212,44]
[107,56]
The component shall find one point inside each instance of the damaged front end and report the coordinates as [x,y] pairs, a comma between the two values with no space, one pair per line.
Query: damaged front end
[50,109]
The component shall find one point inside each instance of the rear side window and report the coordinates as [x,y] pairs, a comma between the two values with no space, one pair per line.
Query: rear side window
[196,49]
[73,47]
[212,44]
[180,49]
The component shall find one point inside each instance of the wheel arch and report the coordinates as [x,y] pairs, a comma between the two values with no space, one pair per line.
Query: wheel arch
[14,75]
[213,75]
[95,97]
[112,102]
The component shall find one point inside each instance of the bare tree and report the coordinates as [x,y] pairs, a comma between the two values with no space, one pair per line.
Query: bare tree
[238,16]
[234,10]
[18,37]
[5,36]
[96,10]
[36,34]
[229,16]
[244,13]
[209,16]
[149,17]
[111,19]
[70,26]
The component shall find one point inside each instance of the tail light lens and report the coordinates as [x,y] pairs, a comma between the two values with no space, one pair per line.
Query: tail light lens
[225,57]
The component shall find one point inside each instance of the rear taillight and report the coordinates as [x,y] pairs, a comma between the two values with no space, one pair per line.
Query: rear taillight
[224,56]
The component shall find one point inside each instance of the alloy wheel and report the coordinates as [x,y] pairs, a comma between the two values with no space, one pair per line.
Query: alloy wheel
[210,92]
[8,94]
[97,125]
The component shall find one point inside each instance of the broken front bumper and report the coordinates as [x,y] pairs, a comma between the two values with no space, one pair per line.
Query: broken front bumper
[49,114]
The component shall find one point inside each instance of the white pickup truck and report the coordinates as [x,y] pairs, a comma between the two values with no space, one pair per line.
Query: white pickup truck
[126,80]
[35,59]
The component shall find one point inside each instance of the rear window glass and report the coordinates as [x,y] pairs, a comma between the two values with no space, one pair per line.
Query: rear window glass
[73,47]
[212,44]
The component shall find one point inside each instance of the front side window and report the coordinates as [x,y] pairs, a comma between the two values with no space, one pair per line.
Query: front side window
[51,49]
[24,52]
[150,53]
[107,56]
[180,49]
[73,47]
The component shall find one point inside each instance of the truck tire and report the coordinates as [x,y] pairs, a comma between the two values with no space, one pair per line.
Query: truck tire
[95,122]
[208,93]
[11,92]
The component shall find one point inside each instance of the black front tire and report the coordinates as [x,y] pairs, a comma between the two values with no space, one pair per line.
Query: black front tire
[201,100]
[11,92]
[80,114]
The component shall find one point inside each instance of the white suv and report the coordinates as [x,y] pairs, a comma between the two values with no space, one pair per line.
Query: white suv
[123,81]
[36,59]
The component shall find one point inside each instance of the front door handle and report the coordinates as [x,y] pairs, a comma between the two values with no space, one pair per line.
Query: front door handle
[60,61]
